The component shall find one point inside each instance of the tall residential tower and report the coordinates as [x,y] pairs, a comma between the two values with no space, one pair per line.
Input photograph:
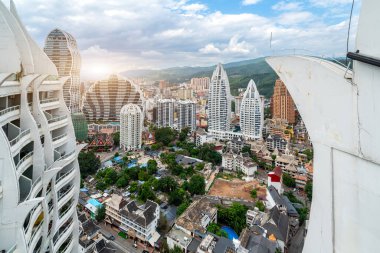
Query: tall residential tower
[131,124]
[252,112]
[165,113]
[61,47]
[282,103]
[219,101]
[186,114]
[39,170]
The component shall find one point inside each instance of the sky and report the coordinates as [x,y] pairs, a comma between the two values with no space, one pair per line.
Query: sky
[118,35]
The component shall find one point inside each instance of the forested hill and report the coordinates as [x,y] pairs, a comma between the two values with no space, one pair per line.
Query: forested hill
[239,74]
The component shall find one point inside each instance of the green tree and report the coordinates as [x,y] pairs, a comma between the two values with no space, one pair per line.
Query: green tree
[178,196]
[183,134]
[254,193]
[208,153]
[165,135]
[197,185]
[260,205]
[303,212]
[122,181]
[309,189]
[288,180]
[88,163]
[233,216]
[309,154]
[143,175]
[164,248]
[176,249]
[100,213]
[101,186]
[133,187]
[162,226]
[182,208]
[145,192]
[116,139]
[152,166]
[167,184]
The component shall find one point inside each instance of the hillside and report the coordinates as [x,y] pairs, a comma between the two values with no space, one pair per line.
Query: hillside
[239,74]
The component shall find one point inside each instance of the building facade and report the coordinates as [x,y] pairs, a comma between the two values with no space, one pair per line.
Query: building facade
[200,83]
[80,126]
[282,103]
[238,100]
[165,113]
[39,167]
[61,47]
[219,101]
[186,115]
[252,113]
[105,99]
[131,124]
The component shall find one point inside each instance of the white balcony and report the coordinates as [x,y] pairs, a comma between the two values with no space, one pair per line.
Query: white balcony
[60,140]
[64,178]
[50,103]
[35,235]
[64,216]
[56,122]
[20,141]
[9,114]
[63,197]
[68,247]
[61,236]
[24,163]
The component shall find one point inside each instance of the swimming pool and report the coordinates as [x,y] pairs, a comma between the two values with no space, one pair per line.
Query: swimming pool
[231,233]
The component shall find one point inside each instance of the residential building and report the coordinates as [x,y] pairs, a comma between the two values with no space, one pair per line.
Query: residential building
[184,93]
[140,222]
[165,113]
[186,115]
[253,239]
[105,99]
[238,163]
[275,179]
[113,207]
[62,49]
[80,126]
[201,137]
[131,124]
[282,103]
[200,83]
[237,144]
[219,101]
[238,100]
[252,113]
[216,244]
[276,142]
[191,223]
[39,168]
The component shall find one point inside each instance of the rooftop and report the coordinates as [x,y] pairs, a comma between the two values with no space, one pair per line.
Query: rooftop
[142,215]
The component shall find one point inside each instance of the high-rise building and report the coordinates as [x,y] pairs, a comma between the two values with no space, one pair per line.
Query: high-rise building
[165,113]
[131,124]
[200,83]
[80,126]
[252,112]
[282,103]
[61,47]
[105,99]
[39,168]
[186,114]
[238,100]
[219,101]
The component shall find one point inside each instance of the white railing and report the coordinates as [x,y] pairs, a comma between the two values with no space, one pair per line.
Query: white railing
[65,193]
[60,177]
[22,134]
[63,232]
[67,246]
[33,186]
[23,159]
[68,209]
[59,137]
[49,100]
[9,109]
[34,232]
[56,119]
[66,155]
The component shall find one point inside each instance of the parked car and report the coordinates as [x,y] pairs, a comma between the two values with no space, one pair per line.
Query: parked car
[108,235]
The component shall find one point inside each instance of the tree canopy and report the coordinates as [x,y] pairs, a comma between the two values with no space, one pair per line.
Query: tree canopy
[165,135]
[197,185]
[288,180]
[88,163]
[233,216]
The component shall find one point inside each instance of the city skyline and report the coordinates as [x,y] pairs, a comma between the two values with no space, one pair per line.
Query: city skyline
[220,32]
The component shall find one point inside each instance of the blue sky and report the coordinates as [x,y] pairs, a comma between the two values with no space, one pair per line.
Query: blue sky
[118,35]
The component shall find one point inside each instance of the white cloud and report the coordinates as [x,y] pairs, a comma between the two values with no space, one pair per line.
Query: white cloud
[194,7]
[250,2]
[294,18]
[287,6]
[234,46]
[327,3]
[209,49]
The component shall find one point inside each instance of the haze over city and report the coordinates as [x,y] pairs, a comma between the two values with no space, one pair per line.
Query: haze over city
[115,36]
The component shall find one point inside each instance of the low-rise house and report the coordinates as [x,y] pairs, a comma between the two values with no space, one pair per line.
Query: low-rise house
[236,144]
[187,160]
[192,223]
[201,137]
[254,240]
[88,233]
[215,244]
[235,162]
[301,181]
[113,207]
[275,179]
[276,142]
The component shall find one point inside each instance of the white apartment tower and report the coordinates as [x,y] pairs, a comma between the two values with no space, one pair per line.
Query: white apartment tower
[252,112]
[200,83]
[186,114]
[165,113]
[131,124]
[238,100]
[61,47]
[39,171]
[219,101]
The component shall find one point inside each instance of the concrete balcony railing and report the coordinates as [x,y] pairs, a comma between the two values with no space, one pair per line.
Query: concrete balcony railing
[34,232]
[57,119]
[18,138]
[64,175]
[59,137]
[25,158]
[9,109]
[68,245]
[63,194]
[62,233]
[49,100]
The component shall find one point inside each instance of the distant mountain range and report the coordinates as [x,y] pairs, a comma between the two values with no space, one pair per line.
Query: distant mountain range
[239,74]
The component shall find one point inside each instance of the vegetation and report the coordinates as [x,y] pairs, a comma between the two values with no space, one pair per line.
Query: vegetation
[288,180]
[100,213]
[207,153]
[182,208]
[260,205]
[197,185]
[123,235]
[183,134]
[88,163]
[254,193]
[165,135]
[303,212]
[309,154]
[215,229]
[145,192]
[292,198]
[116,139]
[309,189]
[233,216]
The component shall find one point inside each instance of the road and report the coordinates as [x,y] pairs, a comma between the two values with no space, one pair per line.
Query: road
[125,245]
